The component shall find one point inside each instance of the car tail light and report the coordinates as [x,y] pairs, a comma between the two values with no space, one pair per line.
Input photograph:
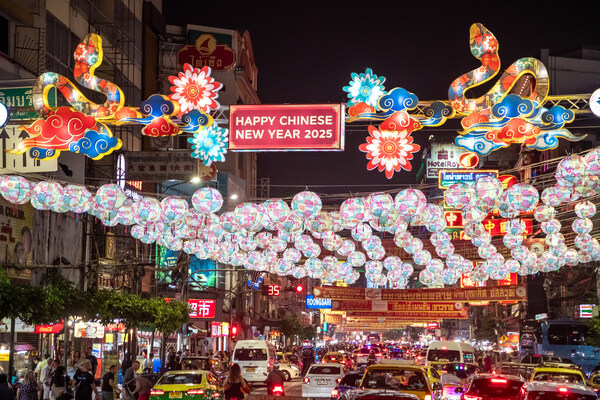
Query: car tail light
[195,391]
[378,354]
[335,393]
[563,389]
[338,380]
[497,380]
[156,392]
[471,397]
[278,389]
[427,397]
[306,380]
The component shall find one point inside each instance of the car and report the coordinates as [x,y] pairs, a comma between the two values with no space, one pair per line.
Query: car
[401,376]
[555,391]
[363,354]
[289,371]
[492,387]
[432,374]
[377,395]
[187,385]
[460,370]
[561,375]
[594,382]
[321,379]
[350,381]
[195,362]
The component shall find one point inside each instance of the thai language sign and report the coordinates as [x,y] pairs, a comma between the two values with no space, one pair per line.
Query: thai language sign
[512,292]
[400,309]
[448,178]
[261,127]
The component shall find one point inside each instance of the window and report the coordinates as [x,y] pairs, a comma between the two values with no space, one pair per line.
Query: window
[395,379]
[495,387]
[212,379]
[180,379]
[561,377]
[250,355]
[351,380]
[438,354]
[4,35]
[59,49]
[559,396]
[324,370]
[434,373]
[561,334]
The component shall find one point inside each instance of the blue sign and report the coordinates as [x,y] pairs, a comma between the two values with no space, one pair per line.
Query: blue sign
[313,303]
[449,177]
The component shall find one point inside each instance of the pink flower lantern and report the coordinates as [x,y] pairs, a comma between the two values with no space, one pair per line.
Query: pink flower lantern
[45,194]
[207,200]
[16,189]
[110,196]
[361,232]
[306,204]
[146,210]
[459,195]
[174,209]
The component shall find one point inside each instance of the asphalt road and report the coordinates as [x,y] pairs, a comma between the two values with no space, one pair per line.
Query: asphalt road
[292,389]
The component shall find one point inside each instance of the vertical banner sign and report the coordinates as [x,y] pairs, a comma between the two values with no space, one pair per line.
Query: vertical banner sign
[309,127]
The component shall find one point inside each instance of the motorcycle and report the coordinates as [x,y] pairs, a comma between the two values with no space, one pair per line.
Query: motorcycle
[277,390]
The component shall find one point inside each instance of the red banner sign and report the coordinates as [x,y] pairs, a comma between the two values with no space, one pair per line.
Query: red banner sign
[216,329]
[201,308]
[206,52]
[495,227]
[400,309]
[504,293]
[286,127]
[51,328]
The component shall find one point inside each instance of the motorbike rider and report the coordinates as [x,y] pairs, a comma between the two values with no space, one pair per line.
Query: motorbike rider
[372,358]
[308,358]
[275,377]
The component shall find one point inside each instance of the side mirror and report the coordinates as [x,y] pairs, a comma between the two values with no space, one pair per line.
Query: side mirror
[459,390]
[437,386]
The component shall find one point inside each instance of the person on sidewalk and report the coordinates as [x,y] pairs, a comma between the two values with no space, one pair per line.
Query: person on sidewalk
[59,383]
[148,364]
[6,392]
[142,387]
[29,389]
[109,386]
[129,378]
[84,382]
[93,361]
[46,378]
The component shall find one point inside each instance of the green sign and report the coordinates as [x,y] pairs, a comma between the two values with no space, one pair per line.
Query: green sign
[19,102]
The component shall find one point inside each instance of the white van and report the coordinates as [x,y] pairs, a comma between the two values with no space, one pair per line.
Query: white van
[450,352]
[255,358]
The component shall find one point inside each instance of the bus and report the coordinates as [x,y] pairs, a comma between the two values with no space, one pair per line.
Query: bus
[374,338]
[562,338]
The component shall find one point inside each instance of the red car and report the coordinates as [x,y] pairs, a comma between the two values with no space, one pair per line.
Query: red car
[493,387]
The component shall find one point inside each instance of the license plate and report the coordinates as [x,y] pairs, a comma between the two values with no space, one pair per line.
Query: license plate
[322,381]
[174,395]
[250,369]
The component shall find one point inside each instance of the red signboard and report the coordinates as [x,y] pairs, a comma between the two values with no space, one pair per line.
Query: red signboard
[216,329]
[51,328]
[206,52]
[433,325]
[400,309]
[201,308]
[495,226]
[261,127]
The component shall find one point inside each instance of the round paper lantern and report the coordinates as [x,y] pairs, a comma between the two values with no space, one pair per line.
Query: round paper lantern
[505,208]
[228,221]
[523,197]
[380,204]
[207,200]
[352,212]
[512,241]
[346,248]
[583,241]
[571,170]
[357,258]
[440,239]
[516,227]
[426,277]
[174,209]
[292,223]
[582,225]
[303,242]
[585,209]
[487,251]
[410,202]
[362,232]
[337,221]
[445,251]
[314,267]
[513,266]
[263,239]
[482,239]
[76,198]
[414,245]
[392,263]
[544,213]
[465,267]
[376,254]
[61,205]
[371,244]
[437,226]
[15,189]
[247,216]
[306,204]
[567,194]
[454,261]
[402,238]
[125,214]
[293,255]
[406,270]
[313,251]
[422,257]
[551,226]
[551,196]
[474,229]
[278,244]
[45,194]
[320,222]
[110,196]
[473,214]
[277,210]
[435,265]
[373,267]
[332,242]
[592,159]
[449,276]
[459,195]
[487,191]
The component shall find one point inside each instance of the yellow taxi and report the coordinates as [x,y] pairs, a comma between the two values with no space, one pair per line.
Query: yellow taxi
[402,376]
[594,382]
[556,374]
[187,385]
[433,375]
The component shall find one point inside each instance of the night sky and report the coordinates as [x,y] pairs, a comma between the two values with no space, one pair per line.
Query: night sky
[305,52]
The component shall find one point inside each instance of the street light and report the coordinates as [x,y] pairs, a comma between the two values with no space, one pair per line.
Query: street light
[196,179]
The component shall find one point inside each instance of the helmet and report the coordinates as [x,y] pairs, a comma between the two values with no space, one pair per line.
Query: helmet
[276,366]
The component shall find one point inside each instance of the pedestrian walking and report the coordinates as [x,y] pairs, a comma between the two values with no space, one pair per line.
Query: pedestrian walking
[109,386]
[142,387]
[46,378]
[235,387]
[148,364]
[93,360]
[59,383]
[129,379]
[6,392]
[84,382]
[30,388]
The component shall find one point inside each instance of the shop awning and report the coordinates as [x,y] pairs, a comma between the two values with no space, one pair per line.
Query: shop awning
[24,347]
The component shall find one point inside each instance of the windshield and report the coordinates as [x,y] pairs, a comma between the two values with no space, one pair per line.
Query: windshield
[250,355]
[351,380]
[461,371]
[178,379]
[367,350]
[596,380]
[438,354]
[495,387]
[563,377]
[324,370]
[394,379]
